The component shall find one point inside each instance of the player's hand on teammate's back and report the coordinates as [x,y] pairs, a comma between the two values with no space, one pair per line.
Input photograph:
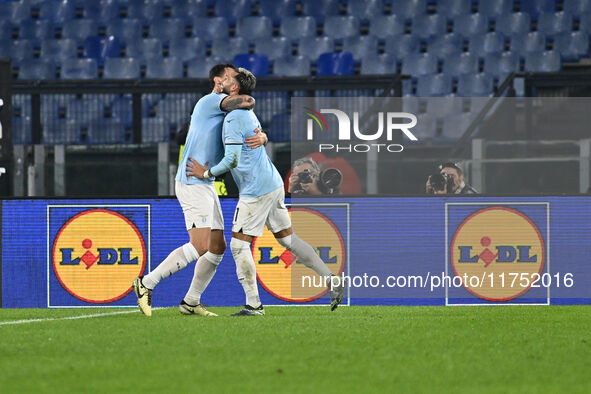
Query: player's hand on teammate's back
[258,139]
[195,169]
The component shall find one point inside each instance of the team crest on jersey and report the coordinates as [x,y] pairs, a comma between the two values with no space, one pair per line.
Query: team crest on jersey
[495,244]
[96,254]
[279,272]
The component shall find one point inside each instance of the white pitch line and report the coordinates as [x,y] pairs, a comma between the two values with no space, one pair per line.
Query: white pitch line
[5,323]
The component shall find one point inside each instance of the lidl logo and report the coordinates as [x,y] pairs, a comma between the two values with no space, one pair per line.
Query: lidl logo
[280,273]
[96,255]
[496,244]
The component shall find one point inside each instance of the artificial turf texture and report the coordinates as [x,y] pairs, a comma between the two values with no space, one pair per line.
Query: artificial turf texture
[300,349]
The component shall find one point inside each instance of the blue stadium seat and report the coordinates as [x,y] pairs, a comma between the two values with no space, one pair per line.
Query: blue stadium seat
[61,131]
[298,27]
[453,8]
[186,48]
[199,67]
[410,8]
[365,10]
[584,22]
[188,8]
[341,26]
[402,46]
[333,63]
[37,69]
[57,11]
[21,130]
[434,85]
[233,10]
[168,29]
[319,9]
[454,126]
[257,64]
[468,25]
[100,48]
[465,63]
[292,66]
[426,128]
[475,85]
[125,29]
[107,10]
[58,49]
[536,7]
[209,29]
[121,110]
[483,44]
[144,50]
[277,10]
[36,29]
[383,26]
[572,46]
[154,130]
[426,26]
[121,68]
[145,11]
[20,50]
[279,128]
[79,69]
[517,23]
[531,42]
[448,45]
[228,48]
[6,29]
[577,7]
[556,23]
[361,46]
[495,7]
[501,66]
[106,131]
[378,64]
[254,27]
[419,64]
[79,29]
[165,68]
[17,11]
[273,47]
[314,46]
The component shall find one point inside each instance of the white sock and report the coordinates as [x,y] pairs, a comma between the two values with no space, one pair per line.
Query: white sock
[305,253]
[204,271]
[176,261]
[246,271]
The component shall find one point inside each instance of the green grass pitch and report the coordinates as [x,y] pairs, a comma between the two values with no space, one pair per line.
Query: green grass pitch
[300,350]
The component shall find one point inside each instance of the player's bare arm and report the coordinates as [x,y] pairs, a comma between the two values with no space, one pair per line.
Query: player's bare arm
[240,101]
[258,139]
[196,169]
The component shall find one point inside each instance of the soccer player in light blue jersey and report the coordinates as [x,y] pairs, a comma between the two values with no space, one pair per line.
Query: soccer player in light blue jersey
[198,198]
[261,199]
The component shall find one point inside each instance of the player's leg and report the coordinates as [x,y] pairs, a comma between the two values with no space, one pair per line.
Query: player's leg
[249,221]
[206,265]
[279,224]
[197,211]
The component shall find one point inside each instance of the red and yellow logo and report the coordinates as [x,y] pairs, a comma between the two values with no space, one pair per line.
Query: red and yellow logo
[497,245]
[277,269]
[97,254]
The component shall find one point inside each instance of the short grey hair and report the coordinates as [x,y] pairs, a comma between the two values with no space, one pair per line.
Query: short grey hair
[307,160]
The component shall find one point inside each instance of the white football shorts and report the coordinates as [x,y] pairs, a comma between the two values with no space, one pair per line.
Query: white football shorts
[252,214]
[201,205]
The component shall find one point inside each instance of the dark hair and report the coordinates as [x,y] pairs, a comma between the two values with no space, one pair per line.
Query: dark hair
[218,71]
[449,164]
[246,81]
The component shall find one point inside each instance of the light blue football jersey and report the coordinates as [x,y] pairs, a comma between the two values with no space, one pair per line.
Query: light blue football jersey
[204,139]
[255,174]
